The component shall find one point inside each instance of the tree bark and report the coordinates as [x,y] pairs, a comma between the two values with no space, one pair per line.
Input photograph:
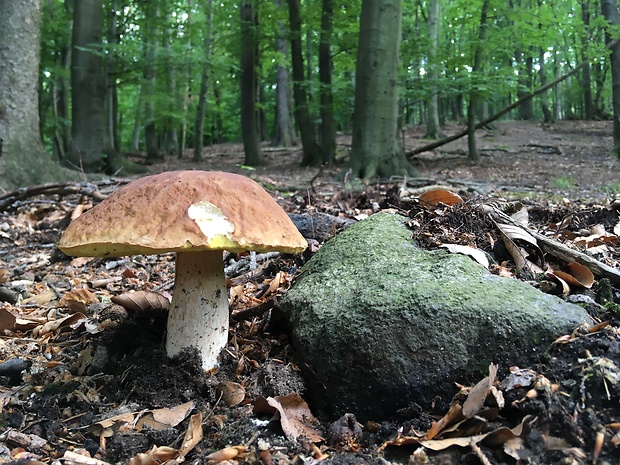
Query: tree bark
[201,108]
[312,151]
[284,130]
[376,149]
[23,159]
[433,131]
[149,79]
[88,125]
[249,130]
[610,13]
[328,124]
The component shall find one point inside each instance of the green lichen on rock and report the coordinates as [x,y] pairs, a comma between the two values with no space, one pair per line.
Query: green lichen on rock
[380,323]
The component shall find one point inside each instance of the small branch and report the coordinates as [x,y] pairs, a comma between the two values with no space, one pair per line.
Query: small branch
[55,188]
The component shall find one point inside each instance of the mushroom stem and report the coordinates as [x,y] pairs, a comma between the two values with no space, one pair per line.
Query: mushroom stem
[199,311]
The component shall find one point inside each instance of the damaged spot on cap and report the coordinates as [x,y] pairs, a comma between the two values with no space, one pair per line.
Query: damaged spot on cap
[211,221]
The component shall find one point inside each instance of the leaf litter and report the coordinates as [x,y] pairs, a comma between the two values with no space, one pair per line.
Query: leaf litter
[85,379]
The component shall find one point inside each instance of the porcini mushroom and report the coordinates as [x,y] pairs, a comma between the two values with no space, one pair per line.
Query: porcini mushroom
[196,214]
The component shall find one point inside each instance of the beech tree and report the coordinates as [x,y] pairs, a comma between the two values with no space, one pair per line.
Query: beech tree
[89,139]
[610,12]
[376,148]
[249,45]
[23,159]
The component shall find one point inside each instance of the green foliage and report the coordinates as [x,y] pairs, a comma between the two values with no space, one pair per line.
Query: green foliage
[561,31]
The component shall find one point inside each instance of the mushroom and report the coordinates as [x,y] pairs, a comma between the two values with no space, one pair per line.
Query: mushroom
[196,214]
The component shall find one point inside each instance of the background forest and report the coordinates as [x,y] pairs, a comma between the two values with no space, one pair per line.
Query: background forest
[167,78]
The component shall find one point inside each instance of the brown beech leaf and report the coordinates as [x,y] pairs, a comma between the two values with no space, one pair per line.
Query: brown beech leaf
[165,417]
[437,196]
[7,320]
[156,456]
[142,300]
[77,300]
[295,417]
[231,393]
[193,435]
[4,275]
[225,454]
[564,280]
[582,274]
[512,236]
[63,324]
[478,394]
[476,254]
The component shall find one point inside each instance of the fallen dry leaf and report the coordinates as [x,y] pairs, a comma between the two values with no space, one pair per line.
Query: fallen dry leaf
[60,324]
[231,393]
[478,394]
[165,417]
[476,254]
[193,435]
[437,196]
[296,418]
[142,300]
[227,453]
[77,300]
[155,456]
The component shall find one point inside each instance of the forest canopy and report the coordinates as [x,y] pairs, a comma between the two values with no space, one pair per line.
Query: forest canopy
[168,77]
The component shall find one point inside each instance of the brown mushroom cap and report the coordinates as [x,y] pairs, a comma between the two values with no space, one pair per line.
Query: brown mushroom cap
[183,211]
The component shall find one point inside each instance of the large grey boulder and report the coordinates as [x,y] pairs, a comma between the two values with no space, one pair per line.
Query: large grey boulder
[380,324]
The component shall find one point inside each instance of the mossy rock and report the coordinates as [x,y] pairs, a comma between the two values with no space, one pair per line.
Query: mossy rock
[380,324]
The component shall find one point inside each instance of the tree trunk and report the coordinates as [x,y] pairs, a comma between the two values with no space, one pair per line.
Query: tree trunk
[433,131]
[544,100]
[137,122]
[148,87]
[586,74]
[328,124]
[184,89]
[376,149]
[610,12]
[473,93]
[201,108]
[284,130]
[312,151]
[88,92]
[249,130]
[23,159]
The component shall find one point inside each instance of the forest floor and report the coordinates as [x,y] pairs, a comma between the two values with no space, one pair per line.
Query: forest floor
[84,379]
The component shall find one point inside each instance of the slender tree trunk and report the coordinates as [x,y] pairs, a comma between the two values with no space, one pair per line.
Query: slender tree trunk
[544,100]
[184,89]
[312,151]
[219,123]
[170,138]
[23,159]
[137,122]
[111,97]
[328,124]
[284,130]
[249,130]
[88,92]
[610,12]
[150,132]
[433,131]
[586,74]
[201,108]
[473,94]
[376,149]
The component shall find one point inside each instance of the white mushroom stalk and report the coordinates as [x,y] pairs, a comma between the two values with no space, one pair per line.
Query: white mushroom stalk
[198,315]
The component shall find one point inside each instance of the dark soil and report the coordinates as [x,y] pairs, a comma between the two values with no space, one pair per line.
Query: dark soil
[58,385]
